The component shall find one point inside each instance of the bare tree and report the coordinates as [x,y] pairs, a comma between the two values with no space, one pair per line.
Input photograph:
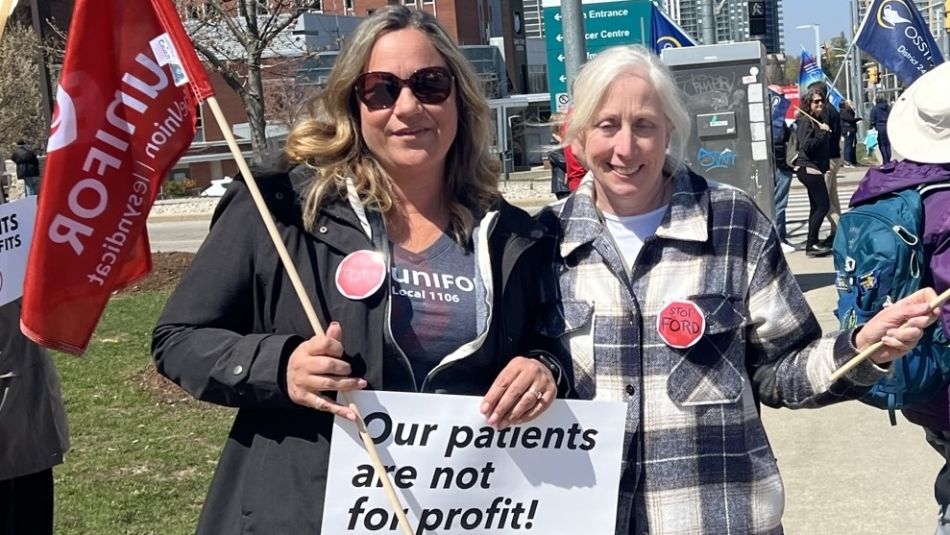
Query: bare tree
[239,39]
[285,98]
[21,108]
[793,65]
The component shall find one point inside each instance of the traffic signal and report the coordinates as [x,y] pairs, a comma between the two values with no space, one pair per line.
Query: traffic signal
[872,75]
[826,52]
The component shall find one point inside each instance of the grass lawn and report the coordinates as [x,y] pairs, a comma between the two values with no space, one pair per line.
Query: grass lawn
[142,453]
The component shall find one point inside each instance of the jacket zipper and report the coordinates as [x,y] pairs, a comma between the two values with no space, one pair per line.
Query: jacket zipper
[389,329]
[485,271]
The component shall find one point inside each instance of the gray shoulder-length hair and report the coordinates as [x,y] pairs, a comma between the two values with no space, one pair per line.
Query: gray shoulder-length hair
[596,77]
[329,138]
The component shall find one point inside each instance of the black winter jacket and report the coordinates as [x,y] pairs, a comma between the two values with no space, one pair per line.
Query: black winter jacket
[228,330]
[849,121]
[34,435]
[558,171]
[832,118]
[780,147]
[27,164]
[813,145]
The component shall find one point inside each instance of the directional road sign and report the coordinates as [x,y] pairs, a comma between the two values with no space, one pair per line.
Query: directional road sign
[606,24]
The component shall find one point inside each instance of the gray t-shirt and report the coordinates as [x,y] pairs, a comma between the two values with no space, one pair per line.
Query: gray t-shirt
[433,302]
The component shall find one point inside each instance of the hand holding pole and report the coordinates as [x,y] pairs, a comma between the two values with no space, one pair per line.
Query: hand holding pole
[873,348]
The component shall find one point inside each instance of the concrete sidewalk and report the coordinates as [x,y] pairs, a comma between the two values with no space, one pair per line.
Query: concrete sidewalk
[846,469]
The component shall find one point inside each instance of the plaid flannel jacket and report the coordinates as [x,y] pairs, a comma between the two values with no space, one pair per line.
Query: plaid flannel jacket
[697,459]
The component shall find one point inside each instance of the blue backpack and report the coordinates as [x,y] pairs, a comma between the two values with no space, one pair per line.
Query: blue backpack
[879,259]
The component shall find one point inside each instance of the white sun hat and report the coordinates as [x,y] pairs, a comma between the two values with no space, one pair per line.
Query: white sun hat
[919,124]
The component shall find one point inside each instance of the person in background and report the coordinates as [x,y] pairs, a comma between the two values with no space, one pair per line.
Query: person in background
[34,435]
[671,293]
[557,160]
[783,181]
[849,132]
[575,170]
[832,118]
[920,132]
[813,163]
[392,168]
[27,167]
[879,117]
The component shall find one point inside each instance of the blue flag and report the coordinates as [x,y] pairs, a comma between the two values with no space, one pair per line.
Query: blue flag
[779,106]
[809,73]
[894,33]
[665,32]
[835,98]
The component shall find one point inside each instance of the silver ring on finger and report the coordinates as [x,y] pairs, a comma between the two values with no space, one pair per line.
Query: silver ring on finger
[536,393]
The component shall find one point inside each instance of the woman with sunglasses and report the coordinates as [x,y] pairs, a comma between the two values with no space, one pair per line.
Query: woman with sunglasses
[814,160]
[421,273]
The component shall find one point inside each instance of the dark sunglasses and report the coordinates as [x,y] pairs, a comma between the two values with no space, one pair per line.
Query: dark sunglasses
[818,101]
[380,90]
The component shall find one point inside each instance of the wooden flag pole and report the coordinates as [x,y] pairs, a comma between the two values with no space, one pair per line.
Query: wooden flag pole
[806,114]
[871,349]
[307,305]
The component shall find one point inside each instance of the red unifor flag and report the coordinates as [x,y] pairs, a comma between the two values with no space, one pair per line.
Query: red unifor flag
[126,109]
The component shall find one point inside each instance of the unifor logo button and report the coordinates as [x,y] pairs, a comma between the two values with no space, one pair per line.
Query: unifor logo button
[360,274]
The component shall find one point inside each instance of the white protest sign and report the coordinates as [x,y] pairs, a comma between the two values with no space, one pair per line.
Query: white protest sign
[16,232]
[457,475]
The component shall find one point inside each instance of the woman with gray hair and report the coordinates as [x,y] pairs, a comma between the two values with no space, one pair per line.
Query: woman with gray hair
[671,293]
[423,274]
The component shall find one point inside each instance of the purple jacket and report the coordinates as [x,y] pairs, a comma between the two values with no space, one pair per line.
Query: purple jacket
[896,176]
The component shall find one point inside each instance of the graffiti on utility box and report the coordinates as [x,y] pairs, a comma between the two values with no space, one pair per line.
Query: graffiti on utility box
[713,159]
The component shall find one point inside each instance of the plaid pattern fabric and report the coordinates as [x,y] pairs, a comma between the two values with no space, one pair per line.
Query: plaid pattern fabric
[697,458]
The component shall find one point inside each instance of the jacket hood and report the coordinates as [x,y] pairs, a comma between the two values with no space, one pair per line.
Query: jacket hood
[896,176]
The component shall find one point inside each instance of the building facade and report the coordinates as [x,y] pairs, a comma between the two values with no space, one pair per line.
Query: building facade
[533,19]
[731,20]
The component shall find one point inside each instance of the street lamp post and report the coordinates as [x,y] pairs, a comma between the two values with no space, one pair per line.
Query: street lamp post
[817,30]
[847,69]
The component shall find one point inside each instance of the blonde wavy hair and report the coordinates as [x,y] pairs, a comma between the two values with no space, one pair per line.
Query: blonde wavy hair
[329,140]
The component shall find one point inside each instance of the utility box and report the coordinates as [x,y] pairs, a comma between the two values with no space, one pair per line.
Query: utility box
[727,97]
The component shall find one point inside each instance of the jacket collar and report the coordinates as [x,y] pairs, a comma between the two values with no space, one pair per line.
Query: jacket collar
[339,208]
[686,217]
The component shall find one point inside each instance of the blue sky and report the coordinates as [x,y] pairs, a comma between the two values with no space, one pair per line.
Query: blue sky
[833,17]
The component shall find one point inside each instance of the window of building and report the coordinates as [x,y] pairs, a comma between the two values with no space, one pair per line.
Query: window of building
[411,3]
[261,6]
[428,2]
[348,4]
[200,125]
[195,11]
[537,79]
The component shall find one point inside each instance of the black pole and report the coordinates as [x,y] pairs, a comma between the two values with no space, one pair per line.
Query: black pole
[41,14]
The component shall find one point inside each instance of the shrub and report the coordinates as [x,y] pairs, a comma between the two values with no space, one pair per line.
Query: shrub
[174,189]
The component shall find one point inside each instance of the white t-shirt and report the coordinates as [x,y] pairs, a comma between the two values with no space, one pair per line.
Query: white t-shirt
[629,232]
